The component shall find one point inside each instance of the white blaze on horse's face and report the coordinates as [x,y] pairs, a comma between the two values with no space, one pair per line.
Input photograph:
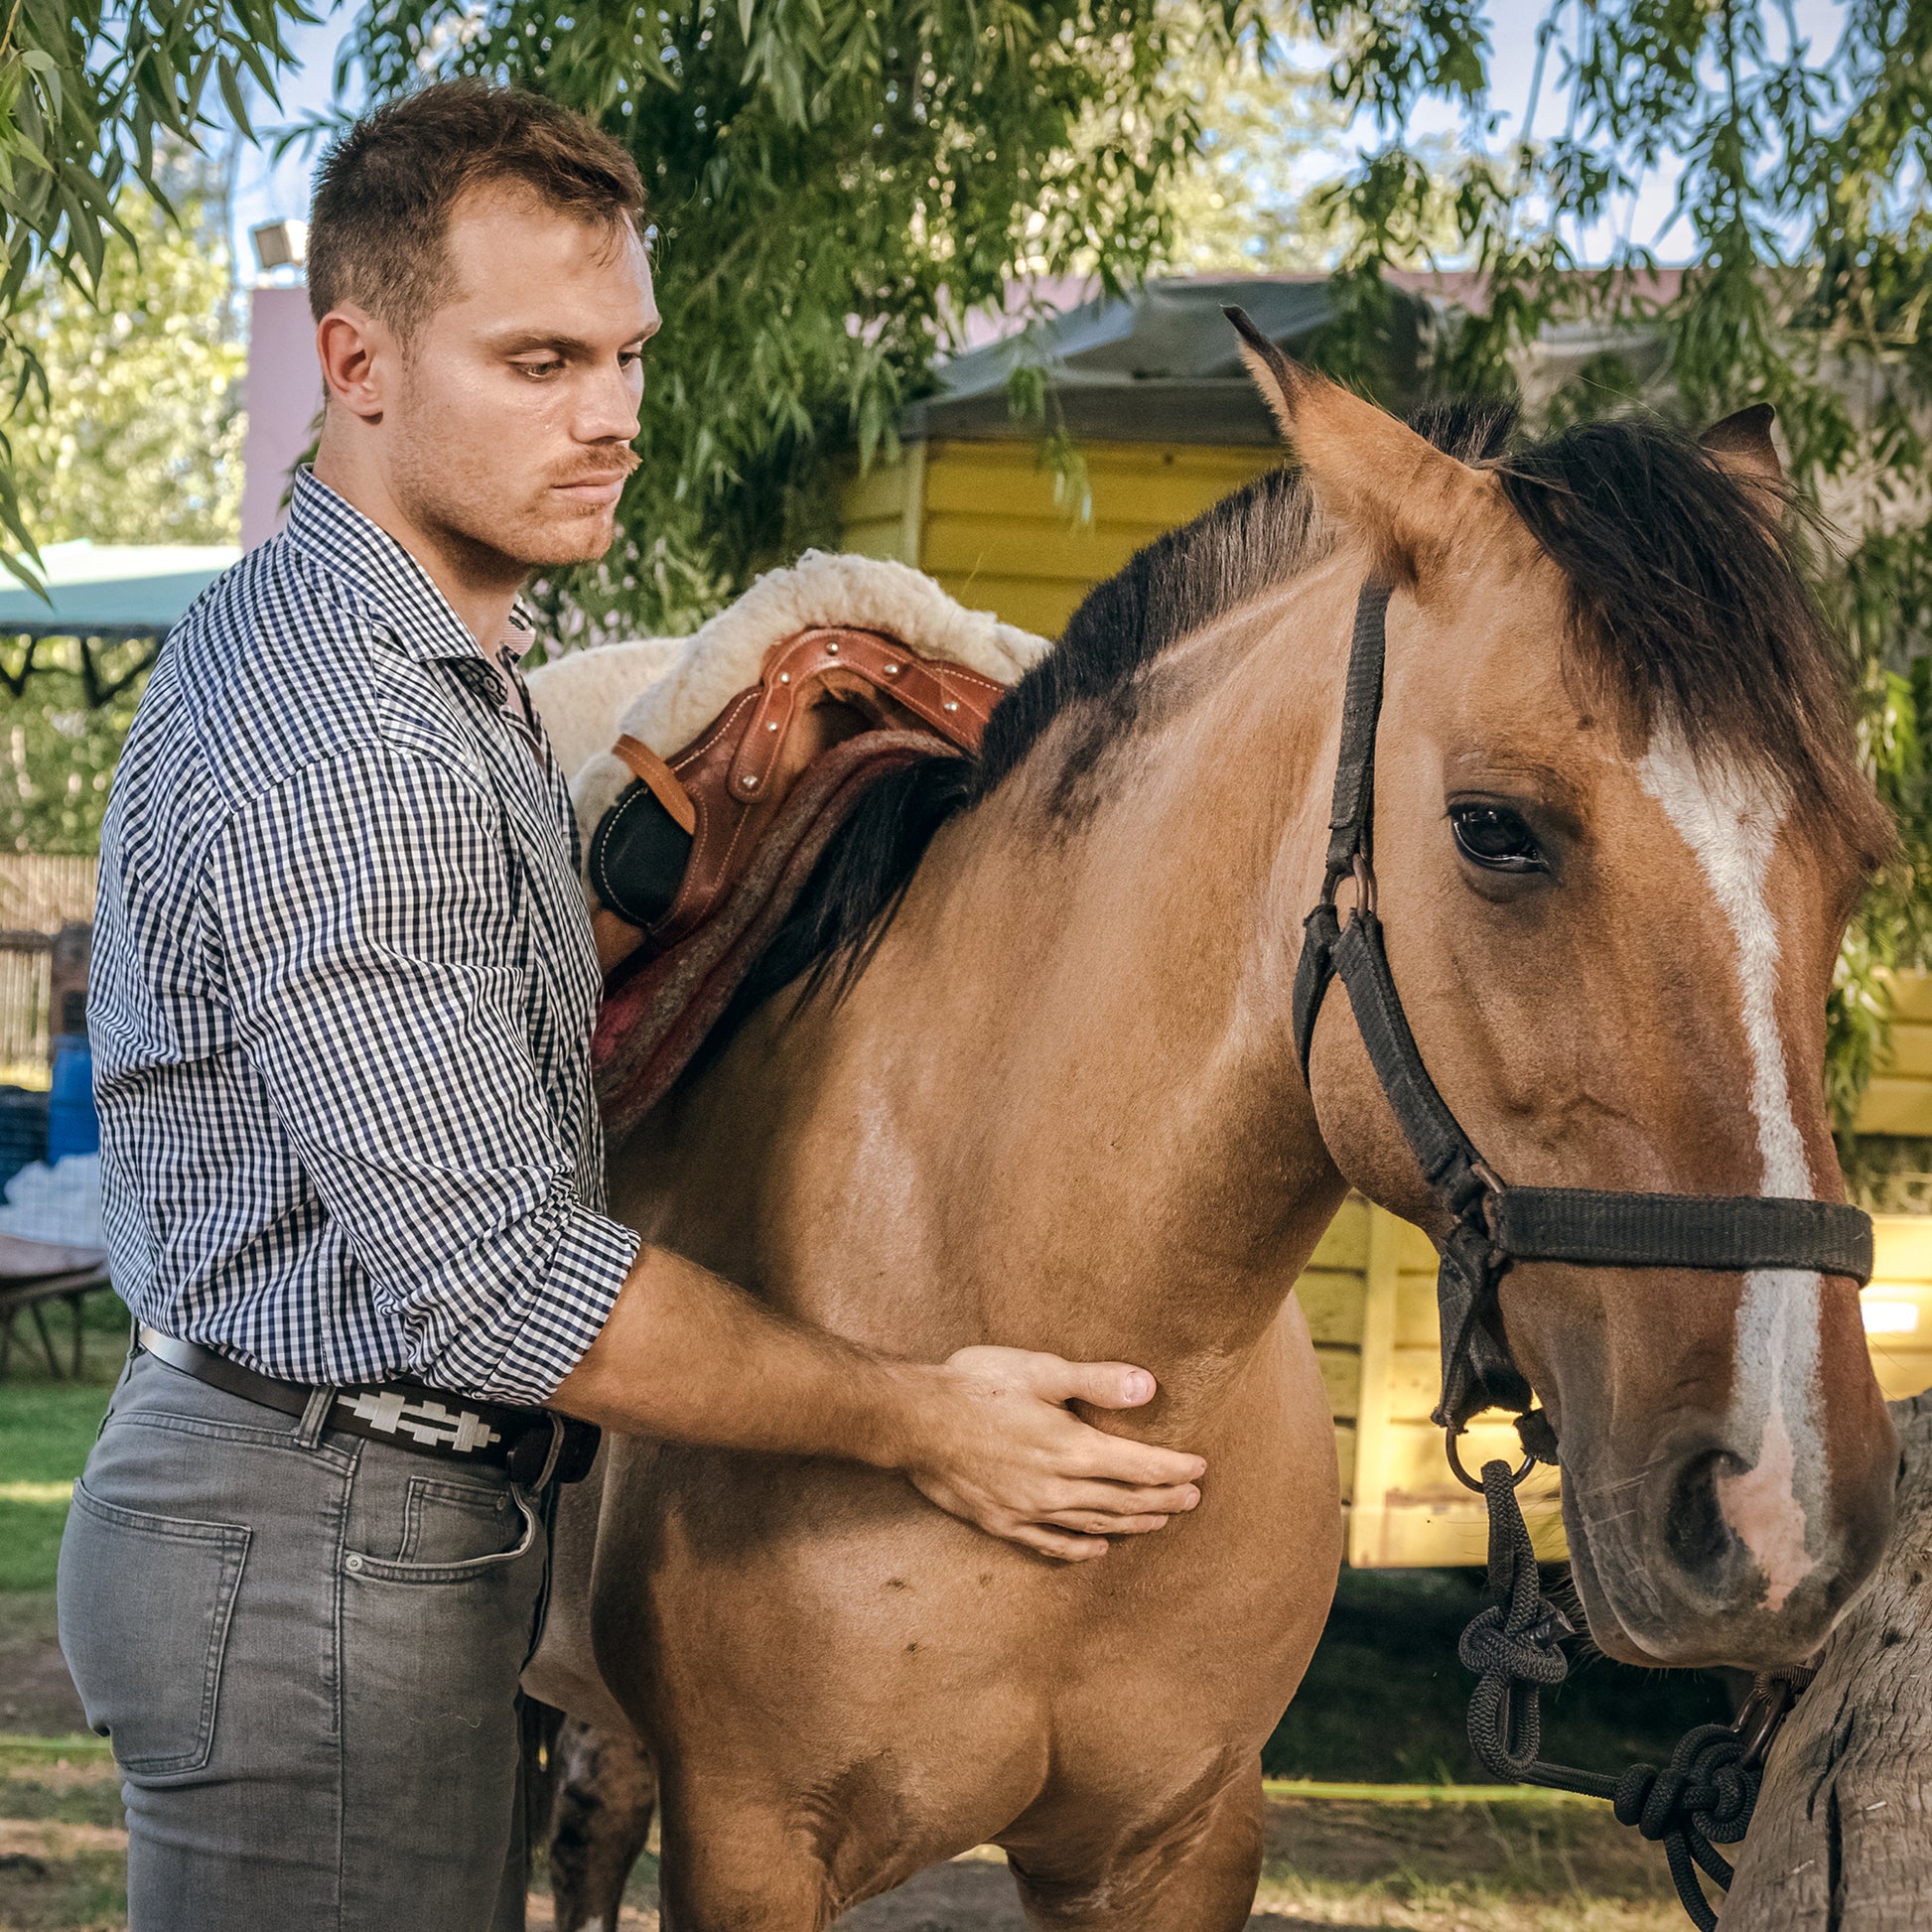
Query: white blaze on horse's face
[1731,819]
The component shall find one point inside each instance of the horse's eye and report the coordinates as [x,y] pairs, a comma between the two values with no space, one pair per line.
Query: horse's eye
[1496,838]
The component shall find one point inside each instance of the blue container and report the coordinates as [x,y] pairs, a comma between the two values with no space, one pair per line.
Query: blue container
[23,1130]
[73,1126]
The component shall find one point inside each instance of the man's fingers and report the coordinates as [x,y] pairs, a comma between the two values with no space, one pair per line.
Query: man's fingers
[1096,1523]
[1106,1385]
[1126,1499]
[1066,1545]
[1146,1466]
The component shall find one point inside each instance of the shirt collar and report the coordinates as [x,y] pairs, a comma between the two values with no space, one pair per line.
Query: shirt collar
[400,592]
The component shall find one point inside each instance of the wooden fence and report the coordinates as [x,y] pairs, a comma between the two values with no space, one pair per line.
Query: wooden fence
[38,896]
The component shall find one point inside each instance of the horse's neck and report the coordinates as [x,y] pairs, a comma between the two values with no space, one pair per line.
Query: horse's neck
[1061,1107]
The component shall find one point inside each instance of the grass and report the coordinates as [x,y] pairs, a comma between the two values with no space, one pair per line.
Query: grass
[59,1891]
[58,1798]
[1290,1789]
[47,1428]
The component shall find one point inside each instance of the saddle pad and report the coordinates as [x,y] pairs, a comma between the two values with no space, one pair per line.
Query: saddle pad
[665,692]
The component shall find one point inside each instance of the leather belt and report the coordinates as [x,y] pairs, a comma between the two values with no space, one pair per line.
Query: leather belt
[535,1445]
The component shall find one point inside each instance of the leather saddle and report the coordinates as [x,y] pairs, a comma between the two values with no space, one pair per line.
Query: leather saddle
[681,838]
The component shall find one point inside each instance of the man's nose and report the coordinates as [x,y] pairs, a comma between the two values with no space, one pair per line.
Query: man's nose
[608,408]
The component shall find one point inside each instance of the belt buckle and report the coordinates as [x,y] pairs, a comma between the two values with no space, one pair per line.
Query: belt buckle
[520,1458]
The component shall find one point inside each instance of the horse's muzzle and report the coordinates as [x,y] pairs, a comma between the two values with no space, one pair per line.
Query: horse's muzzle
[1702,1557]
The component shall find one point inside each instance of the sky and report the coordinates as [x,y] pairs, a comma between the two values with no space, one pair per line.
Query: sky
[267,191]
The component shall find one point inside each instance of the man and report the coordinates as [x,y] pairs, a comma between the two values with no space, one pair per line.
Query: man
[342,995]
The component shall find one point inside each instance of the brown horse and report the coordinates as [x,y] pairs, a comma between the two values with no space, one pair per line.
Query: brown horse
[1048,1097]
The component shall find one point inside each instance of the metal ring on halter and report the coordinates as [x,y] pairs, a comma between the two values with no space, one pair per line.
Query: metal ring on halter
[1364,874]
[1465,1477]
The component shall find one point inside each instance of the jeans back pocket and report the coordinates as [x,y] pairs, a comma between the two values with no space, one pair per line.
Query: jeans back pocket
[144,1609]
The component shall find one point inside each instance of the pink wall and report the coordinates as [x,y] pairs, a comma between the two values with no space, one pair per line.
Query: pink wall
[284,395]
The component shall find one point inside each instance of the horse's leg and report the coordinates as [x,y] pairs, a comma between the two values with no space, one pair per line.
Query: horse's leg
[606,1793]
[740,1870]
[1196,1873]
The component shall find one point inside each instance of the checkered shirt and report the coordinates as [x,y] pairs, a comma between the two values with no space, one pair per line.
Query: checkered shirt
[343,990]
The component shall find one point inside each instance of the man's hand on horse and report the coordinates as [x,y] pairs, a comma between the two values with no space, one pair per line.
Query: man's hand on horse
[997,1446]
[987,1435]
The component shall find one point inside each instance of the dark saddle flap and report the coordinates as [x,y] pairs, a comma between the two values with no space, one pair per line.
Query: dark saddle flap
[678,840]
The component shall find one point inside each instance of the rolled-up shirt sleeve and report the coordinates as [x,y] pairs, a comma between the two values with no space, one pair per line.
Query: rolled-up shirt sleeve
[374,967]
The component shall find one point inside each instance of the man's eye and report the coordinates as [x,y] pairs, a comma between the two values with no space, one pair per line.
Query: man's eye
[538,371]
[1496,838]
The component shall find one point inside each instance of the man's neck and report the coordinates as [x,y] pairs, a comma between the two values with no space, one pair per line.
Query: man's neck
[480,595]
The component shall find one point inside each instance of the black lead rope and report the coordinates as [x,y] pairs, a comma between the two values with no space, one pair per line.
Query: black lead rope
[1702,1798]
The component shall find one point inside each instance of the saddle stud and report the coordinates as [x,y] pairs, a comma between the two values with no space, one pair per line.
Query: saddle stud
[892,670]
[750,782]
[833,647]
[773,726]
[951,704]
[784,678]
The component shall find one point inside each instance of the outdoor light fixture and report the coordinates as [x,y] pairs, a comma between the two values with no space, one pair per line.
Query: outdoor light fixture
[280,245]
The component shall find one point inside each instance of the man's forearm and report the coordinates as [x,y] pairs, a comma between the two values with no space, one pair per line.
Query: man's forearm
[988,1435]
[688,1356]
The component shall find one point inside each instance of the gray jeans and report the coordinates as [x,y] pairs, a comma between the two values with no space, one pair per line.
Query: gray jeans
[305,1646]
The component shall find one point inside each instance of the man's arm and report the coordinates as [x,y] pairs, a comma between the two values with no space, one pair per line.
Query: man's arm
[986,1435]
[367,938]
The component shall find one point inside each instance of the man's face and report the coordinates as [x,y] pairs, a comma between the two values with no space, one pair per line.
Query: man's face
[518,398]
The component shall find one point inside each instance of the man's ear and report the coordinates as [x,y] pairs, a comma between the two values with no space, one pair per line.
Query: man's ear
[357,354]
[1405,499]
[1741,444]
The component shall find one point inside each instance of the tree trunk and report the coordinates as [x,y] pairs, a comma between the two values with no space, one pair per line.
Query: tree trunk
[1843,1836]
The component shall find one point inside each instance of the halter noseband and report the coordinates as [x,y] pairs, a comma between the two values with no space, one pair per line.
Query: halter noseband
[1493,1225]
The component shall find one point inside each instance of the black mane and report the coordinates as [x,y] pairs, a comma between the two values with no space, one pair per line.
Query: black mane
[1686,605]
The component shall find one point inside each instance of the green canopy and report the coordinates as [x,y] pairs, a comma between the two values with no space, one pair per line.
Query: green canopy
[114,590]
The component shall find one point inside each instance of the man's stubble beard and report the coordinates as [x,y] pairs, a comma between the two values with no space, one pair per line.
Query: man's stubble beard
[454,495]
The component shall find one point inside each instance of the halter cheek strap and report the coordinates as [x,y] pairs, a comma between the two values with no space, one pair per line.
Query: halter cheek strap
[1493,1225]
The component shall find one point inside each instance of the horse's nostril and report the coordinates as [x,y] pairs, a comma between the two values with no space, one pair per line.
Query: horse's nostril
[1695,1531]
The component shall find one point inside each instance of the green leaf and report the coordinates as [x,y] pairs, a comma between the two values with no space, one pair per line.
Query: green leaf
[233,95]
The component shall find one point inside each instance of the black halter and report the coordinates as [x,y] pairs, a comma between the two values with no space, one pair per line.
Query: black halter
[1491,1224]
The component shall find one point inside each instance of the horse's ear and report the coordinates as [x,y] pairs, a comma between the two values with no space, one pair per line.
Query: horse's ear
[1742,445]
[1407,499]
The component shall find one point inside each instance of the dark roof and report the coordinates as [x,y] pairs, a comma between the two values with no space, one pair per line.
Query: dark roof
[1160,365]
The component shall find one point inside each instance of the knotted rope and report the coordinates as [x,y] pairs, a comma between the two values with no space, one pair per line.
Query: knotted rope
[1705,1795]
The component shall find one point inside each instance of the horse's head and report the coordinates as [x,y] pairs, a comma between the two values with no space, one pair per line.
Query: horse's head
[1618,829]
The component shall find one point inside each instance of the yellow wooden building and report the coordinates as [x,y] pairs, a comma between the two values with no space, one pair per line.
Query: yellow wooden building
[1167,425]
[982,517]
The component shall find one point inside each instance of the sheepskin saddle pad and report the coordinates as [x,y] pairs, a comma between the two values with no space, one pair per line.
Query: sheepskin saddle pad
[735,757]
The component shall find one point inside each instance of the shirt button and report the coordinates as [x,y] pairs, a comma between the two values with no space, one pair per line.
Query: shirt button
[482,682]
[355,1562]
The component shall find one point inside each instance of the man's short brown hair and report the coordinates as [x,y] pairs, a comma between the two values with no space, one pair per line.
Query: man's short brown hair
[385,190]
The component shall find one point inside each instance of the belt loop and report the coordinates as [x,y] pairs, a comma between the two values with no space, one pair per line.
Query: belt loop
[550,1459]
[308,1432]
[134,1351]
